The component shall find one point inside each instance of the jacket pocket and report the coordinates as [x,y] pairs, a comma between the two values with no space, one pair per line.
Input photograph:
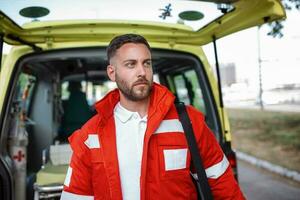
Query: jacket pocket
[174,156]
[99,176]
[175,172]
[174,161]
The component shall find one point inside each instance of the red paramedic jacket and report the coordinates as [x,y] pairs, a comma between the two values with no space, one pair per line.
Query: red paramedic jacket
[166,162]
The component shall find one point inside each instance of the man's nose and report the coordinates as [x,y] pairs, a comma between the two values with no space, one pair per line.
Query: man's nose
[141,69]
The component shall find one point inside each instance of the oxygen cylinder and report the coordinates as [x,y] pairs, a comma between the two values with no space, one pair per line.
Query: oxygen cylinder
[18,152]
[18,145]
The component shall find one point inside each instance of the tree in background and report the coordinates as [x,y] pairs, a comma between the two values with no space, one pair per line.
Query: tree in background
[277,26]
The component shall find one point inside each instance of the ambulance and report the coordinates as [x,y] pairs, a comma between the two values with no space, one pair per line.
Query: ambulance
[51,52]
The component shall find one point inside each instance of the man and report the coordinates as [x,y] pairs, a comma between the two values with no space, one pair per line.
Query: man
[135,148]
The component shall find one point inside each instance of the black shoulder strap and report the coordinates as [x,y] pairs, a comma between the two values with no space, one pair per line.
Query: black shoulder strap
[205,192]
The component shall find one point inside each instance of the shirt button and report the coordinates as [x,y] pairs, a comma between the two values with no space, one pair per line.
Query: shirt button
[142,126]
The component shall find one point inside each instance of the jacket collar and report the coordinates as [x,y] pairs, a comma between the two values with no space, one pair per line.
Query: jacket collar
[161,100]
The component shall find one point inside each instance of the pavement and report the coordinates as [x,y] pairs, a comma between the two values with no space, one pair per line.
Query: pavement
[257,184]
[294,175]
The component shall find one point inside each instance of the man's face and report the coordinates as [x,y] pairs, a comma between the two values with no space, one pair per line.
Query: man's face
[131,69]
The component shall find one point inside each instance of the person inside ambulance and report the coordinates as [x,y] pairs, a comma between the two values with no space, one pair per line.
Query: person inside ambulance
[134,147]
[76,111]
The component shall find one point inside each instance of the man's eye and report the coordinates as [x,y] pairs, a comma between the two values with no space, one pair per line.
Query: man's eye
[148,64]
[130,65]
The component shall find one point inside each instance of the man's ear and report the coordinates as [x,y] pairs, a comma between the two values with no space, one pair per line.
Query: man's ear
[111,72]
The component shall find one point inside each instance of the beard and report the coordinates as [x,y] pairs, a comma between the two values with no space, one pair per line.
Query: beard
[136,92]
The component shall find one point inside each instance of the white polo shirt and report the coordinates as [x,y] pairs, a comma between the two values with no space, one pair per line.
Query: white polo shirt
[130,132]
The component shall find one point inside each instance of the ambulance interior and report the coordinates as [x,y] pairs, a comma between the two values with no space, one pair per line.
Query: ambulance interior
[40,90]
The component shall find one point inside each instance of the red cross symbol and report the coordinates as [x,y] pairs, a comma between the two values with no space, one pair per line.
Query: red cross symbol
[19,156]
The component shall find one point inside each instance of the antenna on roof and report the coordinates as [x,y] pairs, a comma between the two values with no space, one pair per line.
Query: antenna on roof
[225,7]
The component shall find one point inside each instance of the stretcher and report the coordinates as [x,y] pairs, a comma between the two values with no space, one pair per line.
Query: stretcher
[50,178]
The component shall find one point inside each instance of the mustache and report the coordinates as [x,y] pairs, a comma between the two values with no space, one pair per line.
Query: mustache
[141,81]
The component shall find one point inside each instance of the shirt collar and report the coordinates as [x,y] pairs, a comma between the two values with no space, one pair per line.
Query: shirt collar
[122,113]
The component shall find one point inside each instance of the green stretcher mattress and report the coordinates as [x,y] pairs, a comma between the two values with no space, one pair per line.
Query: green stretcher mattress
[51,174]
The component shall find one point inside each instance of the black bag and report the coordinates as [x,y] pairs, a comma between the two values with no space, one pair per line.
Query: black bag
[203,188]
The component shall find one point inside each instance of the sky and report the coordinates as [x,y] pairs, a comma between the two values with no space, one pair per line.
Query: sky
[281,58]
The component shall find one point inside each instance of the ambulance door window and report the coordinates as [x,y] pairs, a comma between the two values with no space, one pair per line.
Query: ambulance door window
[187,89]
[24,92]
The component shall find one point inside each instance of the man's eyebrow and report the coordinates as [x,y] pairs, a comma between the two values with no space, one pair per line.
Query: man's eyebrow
[134,60]
[147,60]
[129,60]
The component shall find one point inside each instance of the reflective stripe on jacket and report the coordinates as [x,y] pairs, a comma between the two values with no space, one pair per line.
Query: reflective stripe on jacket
[165,169]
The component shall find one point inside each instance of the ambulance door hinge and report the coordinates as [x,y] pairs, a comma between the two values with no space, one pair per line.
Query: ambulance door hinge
[49,42]
[171,42]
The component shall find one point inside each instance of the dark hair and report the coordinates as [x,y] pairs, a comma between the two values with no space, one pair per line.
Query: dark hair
[74,86]
[120,40]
